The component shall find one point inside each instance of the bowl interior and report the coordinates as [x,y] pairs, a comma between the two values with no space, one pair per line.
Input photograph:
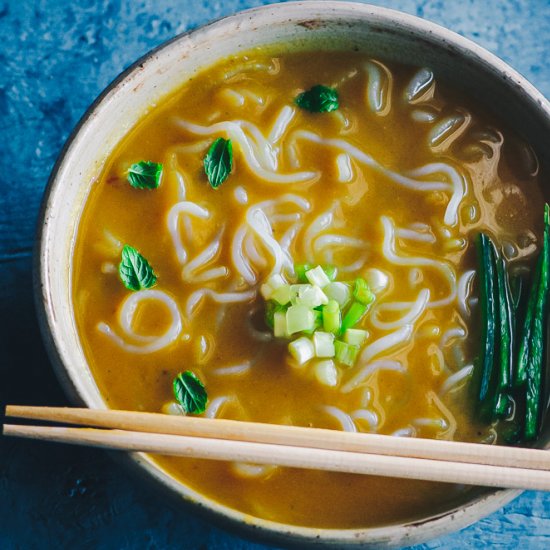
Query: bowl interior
[383,34]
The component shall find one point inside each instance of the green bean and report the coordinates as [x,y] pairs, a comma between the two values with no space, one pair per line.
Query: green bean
[485,362]
[536,355]
[520,375]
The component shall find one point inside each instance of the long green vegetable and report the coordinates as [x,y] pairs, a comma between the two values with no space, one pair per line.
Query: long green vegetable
[489,315]
[510,386]
[520,375]
[536,356]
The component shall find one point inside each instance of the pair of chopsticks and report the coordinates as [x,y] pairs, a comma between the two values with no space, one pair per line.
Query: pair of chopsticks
[297,447]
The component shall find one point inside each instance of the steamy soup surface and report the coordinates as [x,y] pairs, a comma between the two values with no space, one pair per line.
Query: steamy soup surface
[386,187]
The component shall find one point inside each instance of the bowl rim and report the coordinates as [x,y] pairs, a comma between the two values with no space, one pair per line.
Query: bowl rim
[393,534]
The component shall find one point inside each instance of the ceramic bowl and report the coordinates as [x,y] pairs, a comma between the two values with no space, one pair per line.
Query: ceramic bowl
[385,34]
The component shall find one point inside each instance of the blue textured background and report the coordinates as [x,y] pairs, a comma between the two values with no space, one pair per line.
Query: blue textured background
[55,58]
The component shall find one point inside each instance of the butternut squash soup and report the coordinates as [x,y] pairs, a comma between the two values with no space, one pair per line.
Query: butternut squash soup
[291,238]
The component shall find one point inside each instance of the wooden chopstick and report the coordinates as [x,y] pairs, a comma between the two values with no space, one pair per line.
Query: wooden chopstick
[297,457]
[430,460]
[317,438]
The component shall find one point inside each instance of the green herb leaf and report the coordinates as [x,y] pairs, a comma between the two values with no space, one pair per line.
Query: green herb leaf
[190,393]
[135,271]
[145,174]
[218,162]
[319,99]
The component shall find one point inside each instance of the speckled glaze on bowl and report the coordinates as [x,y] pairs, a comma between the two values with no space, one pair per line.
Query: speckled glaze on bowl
[384,34]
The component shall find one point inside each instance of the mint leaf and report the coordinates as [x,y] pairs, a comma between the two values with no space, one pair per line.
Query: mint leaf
[319,99]
[190,393]
[135,271]
[218,162]
[145,174]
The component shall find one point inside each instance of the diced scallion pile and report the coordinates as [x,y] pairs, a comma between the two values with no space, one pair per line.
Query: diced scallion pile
[318,314]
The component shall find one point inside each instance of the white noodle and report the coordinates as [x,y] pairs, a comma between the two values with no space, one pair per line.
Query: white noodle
[248,94]
[413,235]
[340,241]
[289,236]
[415,276]
[423,115]
[109,268]
[456,332]
[370,417]
[458,186]
[221,297]
[454,379]
[320,223]
[417,309]
[234,370]
[252,251]
[183,207]
[464,290]
[190,273]
[444,268]
[215,406]
[271,68]
[405,432]
[345,420]
[396,339]
[379,88]
[151,343]
[366,371]
[446,131]
[421,86]
[253,471]
[285,218]
[258,222]
[437,423]
[240,194]
[241,263]
[234,97]
[281,124]
[343,166]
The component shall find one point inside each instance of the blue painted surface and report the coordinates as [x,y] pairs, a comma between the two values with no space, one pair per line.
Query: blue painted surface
[55,58]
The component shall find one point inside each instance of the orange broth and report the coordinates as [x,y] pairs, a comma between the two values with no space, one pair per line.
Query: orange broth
[501,197]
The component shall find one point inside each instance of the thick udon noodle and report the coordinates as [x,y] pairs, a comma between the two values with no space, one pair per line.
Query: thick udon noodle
[392,186]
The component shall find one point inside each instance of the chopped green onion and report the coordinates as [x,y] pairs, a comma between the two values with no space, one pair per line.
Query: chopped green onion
[280,329]
[300,271]
[339,292]
[362,292]
[355,336]
[317,276]
[299,318]
[271,308]
[271,285]
[376,279]
[354,314]
[282,294]
[302,350]
[345,353]
[332,318]
[326,372]
[317,321]
[323,342]
[310,296]
[330,271]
